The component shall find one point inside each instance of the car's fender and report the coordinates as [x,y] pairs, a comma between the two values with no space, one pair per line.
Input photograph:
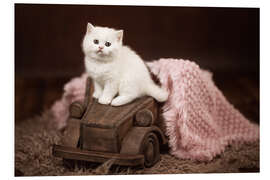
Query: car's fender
[132,143]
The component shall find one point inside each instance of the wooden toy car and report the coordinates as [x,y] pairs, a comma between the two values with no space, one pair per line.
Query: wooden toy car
[96,133]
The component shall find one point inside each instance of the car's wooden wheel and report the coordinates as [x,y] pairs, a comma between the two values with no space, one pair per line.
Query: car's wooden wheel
[150,149]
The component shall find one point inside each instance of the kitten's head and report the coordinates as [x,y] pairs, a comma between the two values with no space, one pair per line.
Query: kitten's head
[101,43]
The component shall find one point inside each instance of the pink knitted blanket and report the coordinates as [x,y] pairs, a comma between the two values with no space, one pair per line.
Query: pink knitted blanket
[199,121]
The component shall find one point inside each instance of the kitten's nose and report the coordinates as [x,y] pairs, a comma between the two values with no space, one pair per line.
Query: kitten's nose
[100,47]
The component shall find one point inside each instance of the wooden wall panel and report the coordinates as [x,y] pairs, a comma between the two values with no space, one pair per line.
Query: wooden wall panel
[48,37]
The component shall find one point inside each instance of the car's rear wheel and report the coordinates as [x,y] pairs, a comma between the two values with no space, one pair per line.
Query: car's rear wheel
[150,149]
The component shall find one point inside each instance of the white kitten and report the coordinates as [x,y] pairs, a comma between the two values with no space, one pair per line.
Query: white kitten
[116,69]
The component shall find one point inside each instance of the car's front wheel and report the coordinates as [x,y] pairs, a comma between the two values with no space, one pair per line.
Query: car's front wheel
[150,149]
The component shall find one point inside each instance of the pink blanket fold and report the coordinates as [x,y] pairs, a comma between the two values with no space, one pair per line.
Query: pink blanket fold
[199,121]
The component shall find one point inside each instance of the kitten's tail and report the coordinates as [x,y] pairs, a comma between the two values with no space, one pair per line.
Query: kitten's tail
[156,92]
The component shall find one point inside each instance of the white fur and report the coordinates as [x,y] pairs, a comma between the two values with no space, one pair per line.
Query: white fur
[117,70]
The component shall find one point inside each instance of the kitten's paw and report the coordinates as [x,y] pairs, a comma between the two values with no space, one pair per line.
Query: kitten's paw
[116,103]
[163,96]
[104,100]
[122,100]
[96,95]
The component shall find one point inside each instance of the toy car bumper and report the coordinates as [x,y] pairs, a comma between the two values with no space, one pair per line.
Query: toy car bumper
[94,156]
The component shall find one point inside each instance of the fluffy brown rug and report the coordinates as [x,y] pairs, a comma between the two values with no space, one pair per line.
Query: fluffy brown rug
[33,146]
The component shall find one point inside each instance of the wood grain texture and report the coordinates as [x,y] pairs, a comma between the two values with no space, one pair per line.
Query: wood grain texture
[107,116]
[71,133]
[93,156]
[76,109]
[144,118]
[108,129]
[103,127]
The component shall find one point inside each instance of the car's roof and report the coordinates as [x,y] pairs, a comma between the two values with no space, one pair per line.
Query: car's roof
[107,116]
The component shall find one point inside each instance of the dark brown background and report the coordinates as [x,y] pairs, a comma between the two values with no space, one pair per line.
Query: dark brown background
[48,46]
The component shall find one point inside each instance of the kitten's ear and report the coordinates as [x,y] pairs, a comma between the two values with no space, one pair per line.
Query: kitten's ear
[119,35]
[90,28]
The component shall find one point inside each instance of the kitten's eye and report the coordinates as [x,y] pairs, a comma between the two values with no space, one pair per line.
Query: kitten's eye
[107,44]
[96,41]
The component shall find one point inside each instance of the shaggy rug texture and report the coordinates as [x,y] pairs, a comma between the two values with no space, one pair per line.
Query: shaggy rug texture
[198,119]
[33,156]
